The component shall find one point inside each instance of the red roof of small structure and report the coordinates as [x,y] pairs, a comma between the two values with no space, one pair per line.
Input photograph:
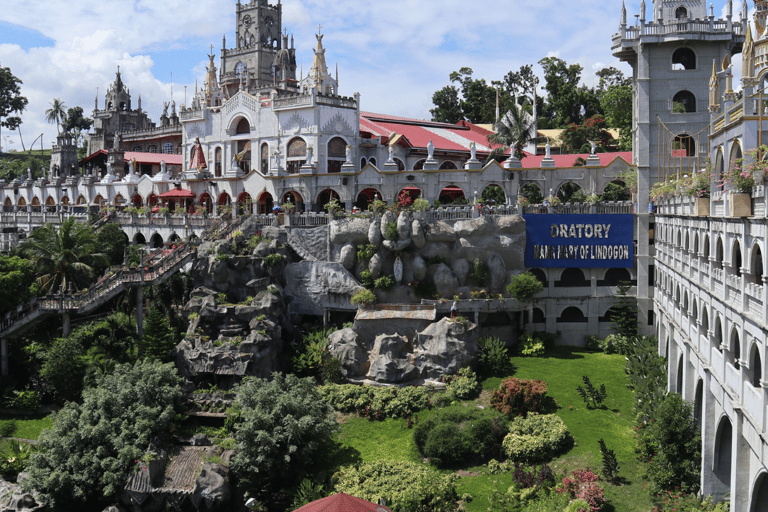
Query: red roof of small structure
[567,161]
[342,503]
[176,193]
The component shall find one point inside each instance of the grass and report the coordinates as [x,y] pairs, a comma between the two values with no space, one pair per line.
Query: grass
[562,369]
[30,426]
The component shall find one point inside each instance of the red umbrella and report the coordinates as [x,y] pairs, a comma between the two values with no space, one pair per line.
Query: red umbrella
[342,503]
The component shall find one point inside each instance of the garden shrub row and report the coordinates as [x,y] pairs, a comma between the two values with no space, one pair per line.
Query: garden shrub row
[518,397]
[376,402]
[535,438]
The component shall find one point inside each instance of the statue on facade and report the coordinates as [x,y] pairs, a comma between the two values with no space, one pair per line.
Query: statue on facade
[473,151]
[109,168]
[430,150]
[310,151]
[349,154]
[131,167]
[548,150]
[593,147]
[116,141]
[173,108]
[391,151]
[165,109]
[162,167]
[29,174]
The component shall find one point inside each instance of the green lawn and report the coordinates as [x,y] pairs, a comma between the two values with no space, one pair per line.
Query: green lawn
[562,370]
[28,427]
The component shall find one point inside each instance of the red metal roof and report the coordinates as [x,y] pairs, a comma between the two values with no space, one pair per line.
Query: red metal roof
[141,158]
[342,503]
[176,193]
[534,161]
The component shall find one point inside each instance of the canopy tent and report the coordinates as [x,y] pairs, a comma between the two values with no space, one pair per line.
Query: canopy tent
[179,198]
[342,503]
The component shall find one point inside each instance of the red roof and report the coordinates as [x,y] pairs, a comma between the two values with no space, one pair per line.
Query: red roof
[177,193]
[141,158]
[534,161]
[342,503]
[444,136]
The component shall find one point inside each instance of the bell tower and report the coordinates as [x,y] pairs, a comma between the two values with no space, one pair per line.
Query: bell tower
[249,64]
[672,10]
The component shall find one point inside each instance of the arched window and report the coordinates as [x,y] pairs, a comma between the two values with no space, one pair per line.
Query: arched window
[297,155]
[152,149]
[684,102]
[243,126]
[572,277]
[717,338]
[539,274]
[337,154]
[719,166]
[755,366]
[736,258]
[372,161]
[217,162]
[572,315]
[137,149]
[168,148]
[363,162]
[447,165]
[616,276]
[681,13]
[419,165]
[683,58]
[757,265]
[264,158]
[400,164]
[719,253]
[734,350]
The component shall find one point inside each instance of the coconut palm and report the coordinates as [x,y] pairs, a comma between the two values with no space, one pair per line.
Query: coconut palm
[56,114]
[63,258]
[514,131]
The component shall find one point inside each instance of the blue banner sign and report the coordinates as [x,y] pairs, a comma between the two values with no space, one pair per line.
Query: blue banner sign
[579,241]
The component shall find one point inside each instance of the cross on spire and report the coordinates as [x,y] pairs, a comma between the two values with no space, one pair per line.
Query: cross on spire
[319,29]
[285,31]
[211,48]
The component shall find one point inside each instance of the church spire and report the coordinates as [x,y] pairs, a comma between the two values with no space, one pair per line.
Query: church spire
[623,14]
[642,11]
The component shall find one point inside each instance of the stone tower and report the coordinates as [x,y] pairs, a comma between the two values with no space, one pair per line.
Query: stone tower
[257,42]
[117,115]
[671,51]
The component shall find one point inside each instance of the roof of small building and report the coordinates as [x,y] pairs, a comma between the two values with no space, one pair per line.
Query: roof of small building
[141,158]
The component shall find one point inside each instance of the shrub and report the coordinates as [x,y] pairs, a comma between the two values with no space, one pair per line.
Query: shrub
[685,502]
[584,486]
[524,286]
[420,205]
[535,438]
[307,360]
[363,297]
[578,505]
[492,357]
[91,448]
[647,376]
[366,280]
[518,397]
[530,346]
[384,283]
[283,423]
[7,428]
[463,385]
[24,400]
[390,402]
[459,435]
[390,231]
[592,343]
[592,396]
[617,344]
[346,397]
[272,260]
[404,485]
[528,482]
[479,274]
[365,252]
[15,459]
[671,446]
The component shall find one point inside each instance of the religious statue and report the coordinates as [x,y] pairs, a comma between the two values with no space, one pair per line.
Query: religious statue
[473,151]
[173,108]
[116,141]
[349,154]
[165,109]
[29,174]
[398,270]
[132,167]
[109,168]
[310,150]
[162,167]
[391,153]
[430,150]
[548,150]
[593,147]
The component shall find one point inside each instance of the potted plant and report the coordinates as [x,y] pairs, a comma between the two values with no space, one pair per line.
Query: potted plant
[739,179]
[363,298]
[697,186]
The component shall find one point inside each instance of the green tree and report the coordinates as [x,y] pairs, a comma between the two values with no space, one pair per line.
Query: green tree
[92,447]
[282,424]
[57,113]
[624,311]
[63,257]
[76,123]
[494,194]
[671,446]
[532,192]
[447,105]
[159,338]
[11,100]
[569,102]
[64,368]
[17,278]
[524,286]
[113,242]
[576,138]
[514,131]
[470,99]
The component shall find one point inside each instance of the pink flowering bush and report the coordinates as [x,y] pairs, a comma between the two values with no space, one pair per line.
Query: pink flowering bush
[584,485]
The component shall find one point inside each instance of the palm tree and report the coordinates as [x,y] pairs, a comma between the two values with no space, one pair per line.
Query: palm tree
[514,131]
[63,258]
[56,114]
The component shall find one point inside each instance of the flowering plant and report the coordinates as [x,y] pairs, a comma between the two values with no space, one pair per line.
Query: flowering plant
[738,177]
[698,184]
[523,201]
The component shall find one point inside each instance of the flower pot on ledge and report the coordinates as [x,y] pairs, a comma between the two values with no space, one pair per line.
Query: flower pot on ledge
[702,207]
[741,205]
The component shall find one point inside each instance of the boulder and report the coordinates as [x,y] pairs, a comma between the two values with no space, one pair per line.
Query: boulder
[460,267]
[347,256]
[419,268]
[435,249]
[268,304]
[445,280]
[345,345]
[349,231]
[389,361]
[481,226]
[397,245]
[444,347]
[498,271]
[262,250]
[374,234]
[404,225]
[376,265]
[22,501]
[387,218]
[417,235]
[439,232]
[212,484]
[511,224]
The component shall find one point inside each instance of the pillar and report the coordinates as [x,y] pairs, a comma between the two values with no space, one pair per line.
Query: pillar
[65,325]
[4,353]
[140,311]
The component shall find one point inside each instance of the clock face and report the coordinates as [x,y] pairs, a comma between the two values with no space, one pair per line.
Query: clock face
[247,20]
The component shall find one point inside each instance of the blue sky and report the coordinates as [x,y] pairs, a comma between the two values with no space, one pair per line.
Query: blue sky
[395,53]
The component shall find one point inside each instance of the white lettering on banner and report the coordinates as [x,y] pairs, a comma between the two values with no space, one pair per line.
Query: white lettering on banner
[579,230]
[584,252]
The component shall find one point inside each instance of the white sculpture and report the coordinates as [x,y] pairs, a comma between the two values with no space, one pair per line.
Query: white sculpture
[310,151]
[593,147]
[349,154]
[398,270]
[548,150]
[29,174]
[473,150]
[391,153]
[430,150]
[109,168]
[162,167]
[131,167]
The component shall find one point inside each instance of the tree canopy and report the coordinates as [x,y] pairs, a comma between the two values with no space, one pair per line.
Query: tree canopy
[11,100]
[17,278]
[92,448]
[568,101]
[56,114]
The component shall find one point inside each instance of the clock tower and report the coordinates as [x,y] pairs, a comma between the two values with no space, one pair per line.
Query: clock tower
[249,63]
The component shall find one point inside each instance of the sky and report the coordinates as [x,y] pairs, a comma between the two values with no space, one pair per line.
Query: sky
[395,53]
